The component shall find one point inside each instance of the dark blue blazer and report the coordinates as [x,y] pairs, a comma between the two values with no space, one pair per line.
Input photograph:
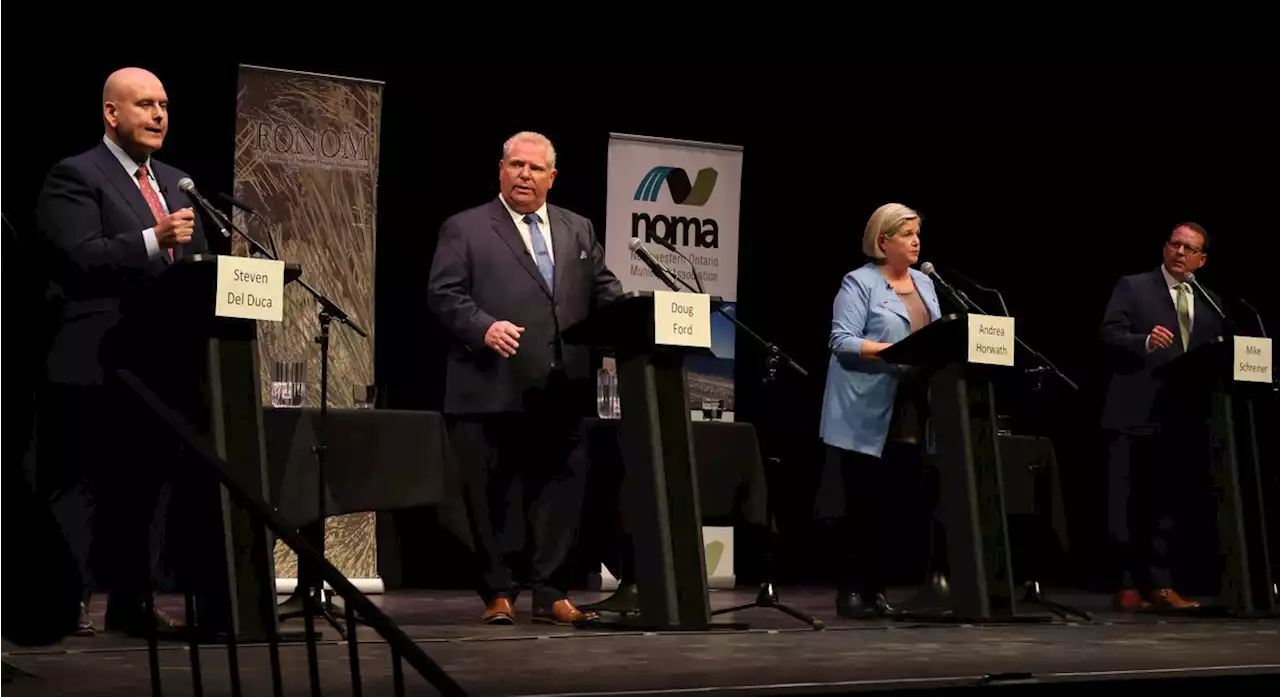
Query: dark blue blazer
[91,215]
[1139,303]
[482,272]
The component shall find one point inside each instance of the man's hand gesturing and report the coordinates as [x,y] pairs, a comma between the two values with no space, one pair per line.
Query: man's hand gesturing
[503,337]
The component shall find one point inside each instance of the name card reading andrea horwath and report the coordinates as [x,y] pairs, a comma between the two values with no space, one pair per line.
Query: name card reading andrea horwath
[681,319]
[991,340]
[1252,359]
[250,288]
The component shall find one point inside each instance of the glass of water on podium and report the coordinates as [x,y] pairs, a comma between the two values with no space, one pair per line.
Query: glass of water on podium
[288,383]
[608,405]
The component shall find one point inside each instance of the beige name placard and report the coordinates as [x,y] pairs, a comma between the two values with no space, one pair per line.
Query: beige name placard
[250,288]
[1252,359]
[991,340]
[681,319]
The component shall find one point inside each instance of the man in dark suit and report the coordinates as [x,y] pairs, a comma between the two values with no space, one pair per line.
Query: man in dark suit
[507,278]
[1155,435]
[113,219]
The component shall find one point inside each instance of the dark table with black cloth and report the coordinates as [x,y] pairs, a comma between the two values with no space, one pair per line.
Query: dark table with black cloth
[731,489]
[399,462]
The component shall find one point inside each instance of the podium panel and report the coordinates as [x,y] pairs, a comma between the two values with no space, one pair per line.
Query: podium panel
[659,463]
[215,385]
[1201,385]
[962,403]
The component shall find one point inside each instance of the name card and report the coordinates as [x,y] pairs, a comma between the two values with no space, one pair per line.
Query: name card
[681,319]
[991,340]
[250,288]
[1252,359]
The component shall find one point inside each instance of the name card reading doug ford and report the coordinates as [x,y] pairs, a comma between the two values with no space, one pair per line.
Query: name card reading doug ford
[990,340]
[681,319]
[250,288]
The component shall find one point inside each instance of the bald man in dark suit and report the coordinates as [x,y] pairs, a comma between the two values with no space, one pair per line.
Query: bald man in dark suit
[113,219]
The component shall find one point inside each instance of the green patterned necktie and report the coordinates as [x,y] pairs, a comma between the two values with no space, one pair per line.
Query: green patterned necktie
[1184,314]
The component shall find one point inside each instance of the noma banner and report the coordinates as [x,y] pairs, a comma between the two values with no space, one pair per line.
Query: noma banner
[307,163]
[689,195]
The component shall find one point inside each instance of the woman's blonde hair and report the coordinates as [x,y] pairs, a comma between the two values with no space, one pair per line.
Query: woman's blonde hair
[884,221]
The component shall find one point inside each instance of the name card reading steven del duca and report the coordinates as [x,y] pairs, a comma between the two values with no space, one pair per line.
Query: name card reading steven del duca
[991,340]
[1252,359]
[250,288]
[681,319]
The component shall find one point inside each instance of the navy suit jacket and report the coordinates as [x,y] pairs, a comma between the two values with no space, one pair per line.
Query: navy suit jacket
[91,215]
[482,272]
[1139,303]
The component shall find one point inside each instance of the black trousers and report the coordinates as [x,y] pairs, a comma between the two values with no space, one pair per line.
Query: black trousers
[544,447]
[878,490]
[1151,478]
[115,479]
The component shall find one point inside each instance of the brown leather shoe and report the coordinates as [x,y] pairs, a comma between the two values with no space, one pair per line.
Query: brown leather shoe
[562,612]
[499,612]
[1168,599]
[1130,600]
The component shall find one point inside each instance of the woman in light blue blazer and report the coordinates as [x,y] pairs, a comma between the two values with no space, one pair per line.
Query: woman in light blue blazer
[873,412]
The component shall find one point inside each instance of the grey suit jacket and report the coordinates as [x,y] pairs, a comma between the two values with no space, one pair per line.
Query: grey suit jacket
[482,273]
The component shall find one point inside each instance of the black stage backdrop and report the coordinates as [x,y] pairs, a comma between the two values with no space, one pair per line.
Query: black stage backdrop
[1046,182]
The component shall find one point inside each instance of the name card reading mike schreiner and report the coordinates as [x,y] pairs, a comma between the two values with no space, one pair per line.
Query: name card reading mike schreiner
[250,288]
[991,340]
[681,319]
[1252,359]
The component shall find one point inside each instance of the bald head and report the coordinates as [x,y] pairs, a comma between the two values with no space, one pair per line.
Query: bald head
[135,111]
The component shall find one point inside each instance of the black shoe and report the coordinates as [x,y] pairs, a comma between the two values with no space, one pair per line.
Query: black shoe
[852,606]
[84,624]
[883,608]
[130,616]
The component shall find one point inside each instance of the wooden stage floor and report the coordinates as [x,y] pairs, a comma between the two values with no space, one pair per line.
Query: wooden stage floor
[777,655]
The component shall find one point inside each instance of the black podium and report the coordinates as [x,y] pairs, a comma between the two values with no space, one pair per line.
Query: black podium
[1200,386]
[657,455]
[963,415]
[214,384]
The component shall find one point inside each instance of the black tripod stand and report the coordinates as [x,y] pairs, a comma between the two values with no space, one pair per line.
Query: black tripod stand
[1034,593]
[308,599]
[767,596]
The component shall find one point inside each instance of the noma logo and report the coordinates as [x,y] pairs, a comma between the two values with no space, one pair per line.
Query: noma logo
[677,229]
[683,191]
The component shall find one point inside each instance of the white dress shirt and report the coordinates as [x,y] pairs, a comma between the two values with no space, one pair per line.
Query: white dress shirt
[544,224]
[148,235]
[1172,283]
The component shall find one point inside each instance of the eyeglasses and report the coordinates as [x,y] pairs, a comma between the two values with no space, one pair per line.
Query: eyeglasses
[1189,248]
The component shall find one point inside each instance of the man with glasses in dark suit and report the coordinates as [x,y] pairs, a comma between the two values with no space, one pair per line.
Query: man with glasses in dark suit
[1155,448]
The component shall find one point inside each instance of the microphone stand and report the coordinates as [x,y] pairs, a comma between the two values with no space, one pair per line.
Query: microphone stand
[767,596]
[308,597]
[1035,594]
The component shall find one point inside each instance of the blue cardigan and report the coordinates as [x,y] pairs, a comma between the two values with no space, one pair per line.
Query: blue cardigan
[858,401]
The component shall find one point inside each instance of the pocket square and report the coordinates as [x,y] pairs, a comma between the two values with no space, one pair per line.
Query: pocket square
[582,254]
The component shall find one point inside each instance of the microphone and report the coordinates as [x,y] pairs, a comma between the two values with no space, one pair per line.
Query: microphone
[668,245]
[189,188]
[1192,278]
[960,297]
[1003,306]
[1256,315]
[654,265]
[227,198]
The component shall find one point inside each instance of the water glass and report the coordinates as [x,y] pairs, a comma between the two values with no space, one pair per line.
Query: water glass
[288,383]
[712,409]
[364,396]
[608,405]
